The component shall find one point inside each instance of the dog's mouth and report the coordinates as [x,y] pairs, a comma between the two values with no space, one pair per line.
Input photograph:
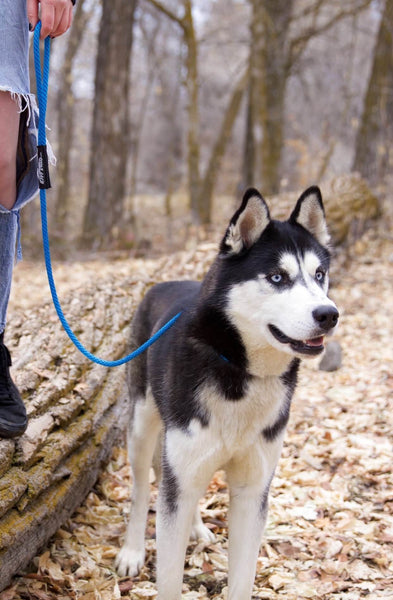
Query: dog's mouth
[313,346]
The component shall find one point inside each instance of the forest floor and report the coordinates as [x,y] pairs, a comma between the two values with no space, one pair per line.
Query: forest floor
[329,534]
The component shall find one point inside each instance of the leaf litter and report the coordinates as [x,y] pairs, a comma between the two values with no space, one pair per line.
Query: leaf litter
[329,534]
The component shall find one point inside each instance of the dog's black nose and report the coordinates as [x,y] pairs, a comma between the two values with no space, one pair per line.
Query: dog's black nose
[326,316]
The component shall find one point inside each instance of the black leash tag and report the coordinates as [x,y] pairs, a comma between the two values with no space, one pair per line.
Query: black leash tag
[43,168]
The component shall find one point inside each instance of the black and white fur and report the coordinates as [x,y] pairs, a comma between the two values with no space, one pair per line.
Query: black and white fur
[215,391]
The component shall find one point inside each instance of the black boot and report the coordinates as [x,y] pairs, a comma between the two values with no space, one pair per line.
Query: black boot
[13,418]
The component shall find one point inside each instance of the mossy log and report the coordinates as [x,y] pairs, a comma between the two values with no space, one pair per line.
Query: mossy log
[76,409]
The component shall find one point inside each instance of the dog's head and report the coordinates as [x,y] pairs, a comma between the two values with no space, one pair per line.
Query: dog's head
[276,275]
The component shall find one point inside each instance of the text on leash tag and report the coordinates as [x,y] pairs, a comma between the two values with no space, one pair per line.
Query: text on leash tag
[43,168]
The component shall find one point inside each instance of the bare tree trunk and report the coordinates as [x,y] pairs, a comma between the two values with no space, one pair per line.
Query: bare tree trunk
[268,74]
[187,25]
[374,154]
[65,122]
[110,131]
[154,62]
[248,166]
[171,109]
[205,200]
[193,112]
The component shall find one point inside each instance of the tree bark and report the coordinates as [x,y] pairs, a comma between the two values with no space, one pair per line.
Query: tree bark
[65,122]
[193,112]
[374,153]
[268,75]
[137,130]
[110,130]
[192,82]
[205,201]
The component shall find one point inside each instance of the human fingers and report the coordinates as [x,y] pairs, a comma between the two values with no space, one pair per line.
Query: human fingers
[65,20]
[56,17]
[32,12]
[47,16]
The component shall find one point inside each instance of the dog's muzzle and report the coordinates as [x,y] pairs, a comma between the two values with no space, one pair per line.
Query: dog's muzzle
[326,318]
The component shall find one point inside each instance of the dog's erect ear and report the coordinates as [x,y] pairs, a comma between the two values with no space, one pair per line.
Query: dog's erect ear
[309,213]
[247,224]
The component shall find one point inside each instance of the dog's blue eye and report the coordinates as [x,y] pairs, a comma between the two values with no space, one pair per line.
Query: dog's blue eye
[276,278]
[319,275]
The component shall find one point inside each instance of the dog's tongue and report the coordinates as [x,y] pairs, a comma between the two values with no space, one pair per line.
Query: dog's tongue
[318,341]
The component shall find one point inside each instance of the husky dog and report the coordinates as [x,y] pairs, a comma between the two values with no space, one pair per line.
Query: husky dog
[215,391]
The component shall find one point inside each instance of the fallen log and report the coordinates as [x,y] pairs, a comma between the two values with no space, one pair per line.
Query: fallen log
[77,409]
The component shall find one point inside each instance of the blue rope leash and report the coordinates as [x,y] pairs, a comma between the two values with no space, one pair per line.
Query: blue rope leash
[42,79]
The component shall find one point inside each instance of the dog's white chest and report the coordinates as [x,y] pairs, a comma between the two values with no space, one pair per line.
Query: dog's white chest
[235,425]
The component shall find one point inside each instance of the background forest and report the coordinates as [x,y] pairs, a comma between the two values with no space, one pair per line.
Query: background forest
[157,107]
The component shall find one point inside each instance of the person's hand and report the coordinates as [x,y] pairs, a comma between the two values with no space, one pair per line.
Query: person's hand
[55,16]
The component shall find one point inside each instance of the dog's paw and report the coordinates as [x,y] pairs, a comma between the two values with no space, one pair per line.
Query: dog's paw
[129,561]
[201,532]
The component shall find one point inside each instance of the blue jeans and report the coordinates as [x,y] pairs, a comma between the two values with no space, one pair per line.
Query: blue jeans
[14,78]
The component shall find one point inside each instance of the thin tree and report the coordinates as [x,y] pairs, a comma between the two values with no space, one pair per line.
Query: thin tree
[269,52]
[374,153]
[110,129]
[65,121]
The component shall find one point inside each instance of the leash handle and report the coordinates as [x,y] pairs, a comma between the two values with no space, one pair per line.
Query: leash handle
[42,79]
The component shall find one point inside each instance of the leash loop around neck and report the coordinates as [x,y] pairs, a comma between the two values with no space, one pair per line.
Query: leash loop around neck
[42,79]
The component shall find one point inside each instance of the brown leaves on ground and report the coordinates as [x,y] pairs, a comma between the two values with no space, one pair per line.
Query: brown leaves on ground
[330,528]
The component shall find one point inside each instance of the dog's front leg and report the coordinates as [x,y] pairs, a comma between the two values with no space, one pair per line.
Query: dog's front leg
[185,476]
[247,517]
[142,439]
[173,530]
[249,482]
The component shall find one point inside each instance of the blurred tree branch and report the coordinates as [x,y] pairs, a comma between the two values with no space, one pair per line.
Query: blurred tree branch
[209,180]
[299,43]
[166,11]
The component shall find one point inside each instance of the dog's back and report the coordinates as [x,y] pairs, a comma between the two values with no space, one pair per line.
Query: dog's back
[161,303]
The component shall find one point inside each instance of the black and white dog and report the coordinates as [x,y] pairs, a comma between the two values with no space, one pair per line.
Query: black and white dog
[215,391]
